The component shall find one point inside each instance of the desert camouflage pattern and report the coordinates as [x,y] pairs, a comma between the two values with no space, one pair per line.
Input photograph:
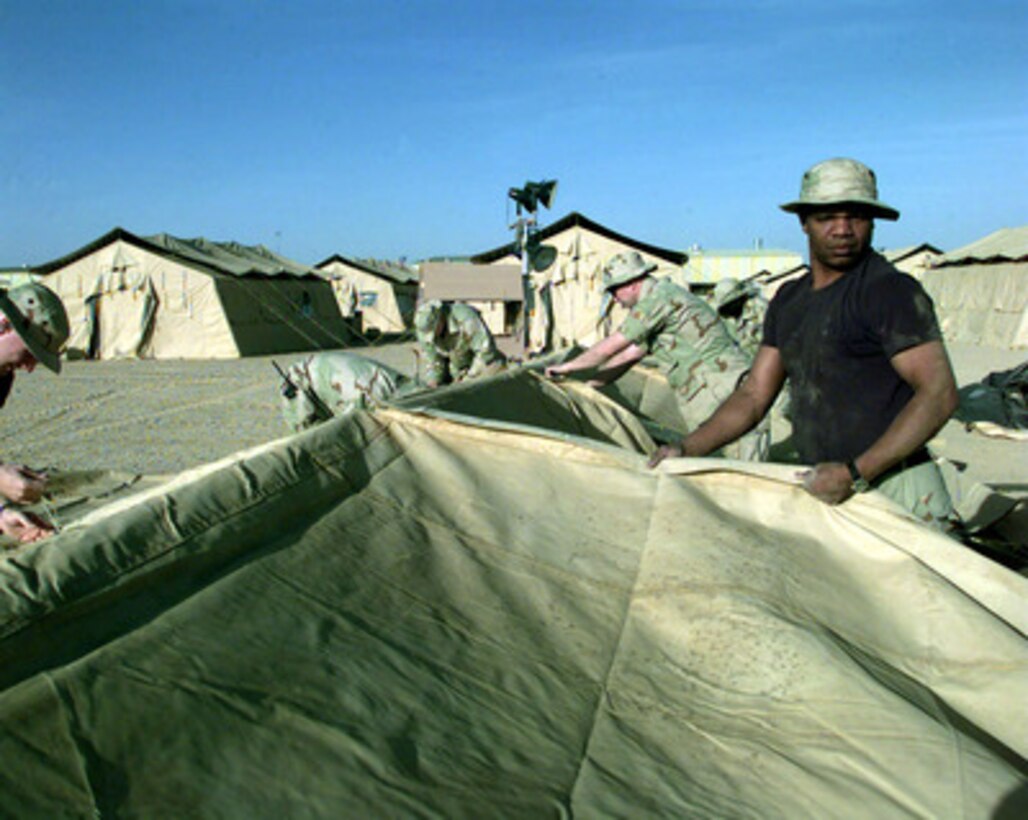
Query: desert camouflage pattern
[748,327]
[39,317]
[838,181]
[340,382]
[624,267]
[687,340]
[742,308]
[464,350]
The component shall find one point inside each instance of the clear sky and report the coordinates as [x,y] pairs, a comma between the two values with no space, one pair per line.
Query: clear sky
[392,128]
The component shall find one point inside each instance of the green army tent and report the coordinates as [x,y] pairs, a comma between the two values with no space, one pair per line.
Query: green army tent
[160,297]
[478,602]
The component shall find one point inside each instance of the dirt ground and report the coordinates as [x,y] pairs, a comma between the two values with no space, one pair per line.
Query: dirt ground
[160,417]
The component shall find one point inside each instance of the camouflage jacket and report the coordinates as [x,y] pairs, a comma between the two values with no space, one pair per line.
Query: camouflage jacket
[465,350]
[684,337]
[339,382]
[748,327]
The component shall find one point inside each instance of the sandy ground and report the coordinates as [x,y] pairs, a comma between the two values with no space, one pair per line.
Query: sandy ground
[159,417]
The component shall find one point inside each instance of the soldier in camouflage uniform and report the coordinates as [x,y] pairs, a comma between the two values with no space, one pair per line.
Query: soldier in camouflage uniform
[324,385]
[742,308]
[680,334]
[453,344]
[33,330]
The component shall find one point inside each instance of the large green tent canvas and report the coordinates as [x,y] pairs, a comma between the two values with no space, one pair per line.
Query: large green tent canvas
[435,609]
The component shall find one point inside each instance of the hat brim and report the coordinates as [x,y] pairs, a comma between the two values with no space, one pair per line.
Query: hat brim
[877,209]
[47,358]
[616,283]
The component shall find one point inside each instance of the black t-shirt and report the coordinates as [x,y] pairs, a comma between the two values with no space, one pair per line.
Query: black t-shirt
[835,345]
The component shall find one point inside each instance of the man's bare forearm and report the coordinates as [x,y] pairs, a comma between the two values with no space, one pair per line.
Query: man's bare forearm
[922,418]
[735,417]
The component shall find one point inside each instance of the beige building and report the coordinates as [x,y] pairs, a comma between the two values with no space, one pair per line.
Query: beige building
[495,291]
[708,267]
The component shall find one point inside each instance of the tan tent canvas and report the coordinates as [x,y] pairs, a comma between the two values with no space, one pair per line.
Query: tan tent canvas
[479,602]
[161,297]
[915,260]
[981,290]
[383,295]
[567,304]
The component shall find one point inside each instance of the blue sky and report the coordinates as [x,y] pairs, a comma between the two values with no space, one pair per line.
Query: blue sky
[388,128]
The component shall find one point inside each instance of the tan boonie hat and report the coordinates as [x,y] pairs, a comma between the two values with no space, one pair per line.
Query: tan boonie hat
[840,182]
[38,316]
[624,267]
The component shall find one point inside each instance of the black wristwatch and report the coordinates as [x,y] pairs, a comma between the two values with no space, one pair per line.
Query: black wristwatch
[860,484]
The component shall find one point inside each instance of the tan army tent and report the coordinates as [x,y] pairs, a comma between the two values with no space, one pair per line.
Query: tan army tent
[915,259]
[981,290]
[12,277]
[479,602]
[159,297]
[382,294]
[566,298]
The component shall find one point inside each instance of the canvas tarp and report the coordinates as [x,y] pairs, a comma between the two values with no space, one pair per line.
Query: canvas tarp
[434,612]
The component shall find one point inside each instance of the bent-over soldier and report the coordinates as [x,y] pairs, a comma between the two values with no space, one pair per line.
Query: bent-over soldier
[454,344]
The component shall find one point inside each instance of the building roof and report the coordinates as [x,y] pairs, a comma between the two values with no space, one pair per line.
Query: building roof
[576,219]
[385,270]
[219,258]
[899,254]
[709,266]
[1004,245]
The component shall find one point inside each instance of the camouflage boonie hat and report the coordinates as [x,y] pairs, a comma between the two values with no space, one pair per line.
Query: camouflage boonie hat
[427,315]
[840,182]
[624,267]
[728,290]
[38,316]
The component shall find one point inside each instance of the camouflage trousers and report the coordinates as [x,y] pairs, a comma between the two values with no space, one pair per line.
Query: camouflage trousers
[700,403]
[922,491]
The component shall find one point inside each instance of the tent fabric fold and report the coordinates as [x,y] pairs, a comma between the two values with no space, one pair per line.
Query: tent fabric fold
[438,609]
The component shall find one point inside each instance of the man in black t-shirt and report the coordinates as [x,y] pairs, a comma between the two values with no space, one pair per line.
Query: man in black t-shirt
[859,342]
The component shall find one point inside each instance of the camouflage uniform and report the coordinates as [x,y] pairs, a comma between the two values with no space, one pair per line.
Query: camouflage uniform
[464,350]
[341,382]
[688,342]
[747,328]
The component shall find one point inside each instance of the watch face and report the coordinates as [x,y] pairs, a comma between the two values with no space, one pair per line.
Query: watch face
[861,485]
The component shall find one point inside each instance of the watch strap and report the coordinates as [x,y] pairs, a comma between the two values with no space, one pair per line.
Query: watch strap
[859,483]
